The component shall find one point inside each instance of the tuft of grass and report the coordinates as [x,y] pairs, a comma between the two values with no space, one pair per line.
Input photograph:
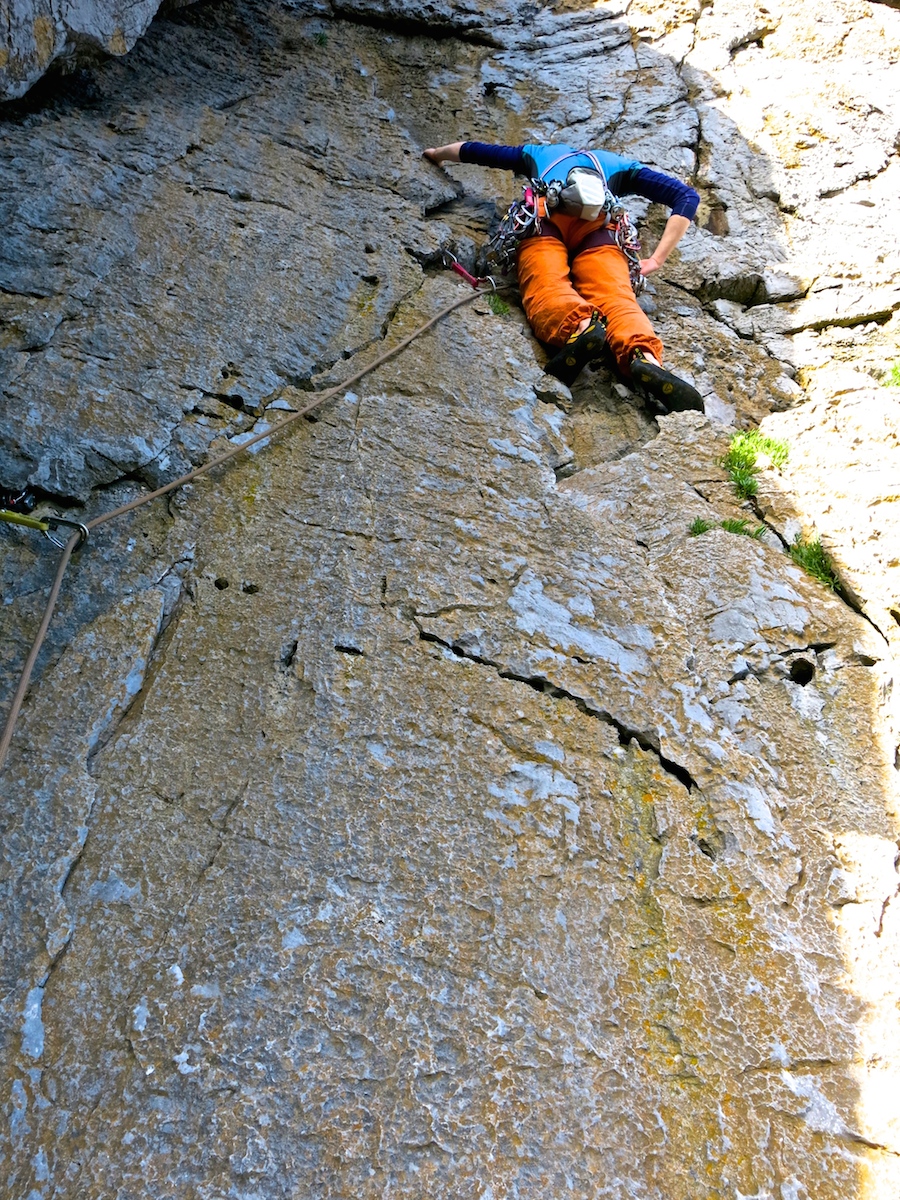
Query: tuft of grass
[775,449]
[892,379]
[743,527]
[320,38]
[498,306]
[744,482]
[739,461]
[740,455]
[812,557]
[731,525]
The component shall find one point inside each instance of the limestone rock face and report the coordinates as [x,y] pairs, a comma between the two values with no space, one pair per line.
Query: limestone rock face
[416,807]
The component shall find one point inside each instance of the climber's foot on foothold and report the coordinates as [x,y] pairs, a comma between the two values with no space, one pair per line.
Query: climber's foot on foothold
[661,386]
[581,348]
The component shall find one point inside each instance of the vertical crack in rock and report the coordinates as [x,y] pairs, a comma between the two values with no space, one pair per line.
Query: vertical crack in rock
[889,900]
[796,887]
[138,686]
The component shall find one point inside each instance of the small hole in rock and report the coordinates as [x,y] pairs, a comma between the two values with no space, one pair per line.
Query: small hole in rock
[801,671]
[250,588]
[221,583]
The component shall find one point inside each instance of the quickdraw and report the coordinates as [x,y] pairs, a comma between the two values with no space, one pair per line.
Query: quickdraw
[451,261]
[46,525]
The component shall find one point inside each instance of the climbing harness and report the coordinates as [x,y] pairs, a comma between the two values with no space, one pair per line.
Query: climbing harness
[586,195]
[79,535]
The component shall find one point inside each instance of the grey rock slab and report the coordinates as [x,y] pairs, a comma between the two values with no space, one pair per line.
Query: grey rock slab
[376,987]
[472,831]
[127,362]
[855,512]
[47,808]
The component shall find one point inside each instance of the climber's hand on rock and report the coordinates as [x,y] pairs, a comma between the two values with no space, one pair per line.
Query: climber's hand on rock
[442,154]
[649,265]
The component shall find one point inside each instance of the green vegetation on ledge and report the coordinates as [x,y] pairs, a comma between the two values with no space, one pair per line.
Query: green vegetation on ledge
[737,525]
[743,527]
[812,557]
[740,460]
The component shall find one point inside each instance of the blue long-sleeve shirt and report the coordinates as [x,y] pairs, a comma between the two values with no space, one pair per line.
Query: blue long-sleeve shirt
[628,178]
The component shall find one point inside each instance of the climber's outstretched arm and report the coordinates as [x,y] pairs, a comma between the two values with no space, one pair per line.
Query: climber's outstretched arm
[440,154]
[676,226]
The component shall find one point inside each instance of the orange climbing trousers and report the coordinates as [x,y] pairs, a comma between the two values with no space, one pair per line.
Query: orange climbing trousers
[559,290]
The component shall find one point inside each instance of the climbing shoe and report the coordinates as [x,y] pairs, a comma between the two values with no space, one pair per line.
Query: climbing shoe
[579,350]
[663,387]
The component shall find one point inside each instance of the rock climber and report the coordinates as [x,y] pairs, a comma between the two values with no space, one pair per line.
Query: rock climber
[574,278]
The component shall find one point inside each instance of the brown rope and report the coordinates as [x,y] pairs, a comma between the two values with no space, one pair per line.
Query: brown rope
[74,540]
[234,452]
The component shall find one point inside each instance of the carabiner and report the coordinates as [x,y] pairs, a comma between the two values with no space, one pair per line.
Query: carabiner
[55,522]
[456,265]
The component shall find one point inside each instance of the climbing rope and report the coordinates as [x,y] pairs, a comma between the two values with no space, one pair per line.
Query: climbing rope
[81,532]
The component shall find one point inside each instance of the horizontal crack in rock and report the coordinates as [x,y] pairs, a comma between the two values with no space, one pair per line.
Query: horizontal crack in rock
[538,683]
